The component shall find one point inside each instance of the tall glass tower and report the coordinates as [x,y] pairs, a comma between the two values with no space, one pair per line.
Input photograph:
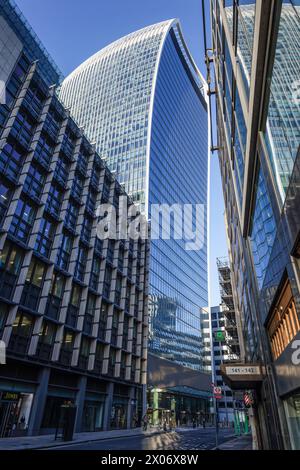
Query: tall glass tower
[141,100]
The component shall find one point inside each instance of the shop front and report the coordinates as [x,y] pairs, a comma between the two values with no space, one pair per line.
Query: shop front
[93,413]
[178,406]
[15,410]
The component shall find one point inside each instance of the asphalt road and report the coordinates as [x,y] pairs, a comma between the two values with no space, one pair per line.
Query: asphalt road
[196,439]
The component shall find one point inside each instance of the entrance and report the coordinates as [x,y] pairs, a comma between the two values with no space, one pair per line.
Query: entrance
[14,413]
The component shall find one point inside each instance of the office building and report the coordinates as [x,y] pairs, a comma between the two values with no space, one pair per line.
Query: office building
[73,307]
[142,100]
[255,76]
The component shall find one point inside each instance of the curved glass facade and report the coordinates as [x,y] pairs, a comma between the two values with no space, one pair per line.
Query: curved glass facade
[141,100]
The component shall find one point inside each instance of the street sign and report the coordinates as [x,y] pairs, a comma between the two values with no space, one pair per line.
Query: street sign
[220,336]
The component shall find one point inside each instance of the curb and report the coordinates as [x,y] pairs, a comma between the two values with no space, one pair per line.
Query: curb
[73,443]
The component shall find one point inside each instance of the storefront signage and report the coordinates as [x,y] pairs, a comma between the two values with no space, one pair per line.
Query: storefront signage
[10,396]
[243,370]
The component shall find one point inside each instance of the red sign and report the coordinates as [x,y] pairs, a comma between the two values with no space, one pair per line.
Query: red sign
[217,392]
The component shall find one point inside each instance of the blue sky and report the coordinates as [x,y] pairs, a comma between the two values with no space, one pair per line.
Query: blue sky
[72,30]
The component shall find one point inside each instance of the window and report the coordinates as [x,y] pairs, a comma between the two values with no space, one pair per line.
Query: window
[11,259]
[55,296]
[67,347]
[86,229]
[284,323]
[11,160]
[21,333]
[33,284]
[5,197]
[91,202]
[61,171]
[114,328]
[34,182]
[54,201]
[95,273]
[4,308]
[64,253]
[110,251]
[71,215]
[44,150]
[23,128]
[22,221]
[118,289]
[99,358]
[84,353]
[89,314]
[73,307]
[77,187]
[103,320]
[81,264]
[107,281]
[46,340]
[45,237]
[82,163]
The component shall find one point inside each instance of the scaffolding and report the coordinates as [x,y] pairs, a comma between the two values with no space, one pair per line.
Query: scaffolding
[227,306]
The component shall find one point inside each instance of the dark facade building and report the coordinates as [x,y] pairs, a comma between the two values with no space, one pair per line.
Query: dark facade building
[73,307]
[256,58]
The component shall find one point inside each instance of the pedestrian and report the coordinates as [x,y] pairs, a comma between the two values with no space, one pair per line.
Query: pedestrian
[145,422]
[203,422]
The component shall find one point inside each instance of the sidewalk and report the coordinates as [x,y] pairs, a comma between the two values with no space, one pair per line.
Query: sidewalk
[238,443]
[43,442]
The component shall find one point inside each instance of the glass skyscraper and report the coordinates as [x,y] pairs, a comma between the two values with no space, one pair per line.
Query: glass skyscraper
[256,57]
[141,100]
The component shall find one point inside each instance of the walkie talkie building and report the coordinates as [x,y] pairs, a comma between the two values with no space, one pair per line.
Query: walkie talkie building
[141,100]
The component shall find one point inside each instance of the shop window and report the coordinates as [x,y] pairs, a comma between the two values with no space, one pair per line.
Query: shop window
[53,410]
[284,323]
[292,410]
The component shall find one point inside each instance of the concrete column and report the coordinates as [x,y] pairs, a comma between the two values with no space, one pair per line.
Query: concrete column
[130,407]
[39,402]
[144,400]
[80,403]
[108,406]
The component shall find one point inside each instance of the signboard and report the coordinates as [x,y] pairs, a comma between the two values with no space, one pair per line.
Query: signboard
[220,336]
[10,396]
[217,392]
[243,370]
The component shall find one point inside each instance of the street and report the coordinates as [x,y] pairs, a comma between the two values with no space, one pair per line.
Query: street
[194,439]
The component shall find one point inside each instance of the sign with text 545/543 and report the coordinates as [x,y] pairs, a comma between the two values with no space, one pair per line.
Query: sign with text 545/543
[243,370]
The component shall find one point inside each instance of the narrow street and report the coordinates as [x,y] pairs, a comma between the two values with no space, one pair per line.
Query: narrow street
[195,439]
